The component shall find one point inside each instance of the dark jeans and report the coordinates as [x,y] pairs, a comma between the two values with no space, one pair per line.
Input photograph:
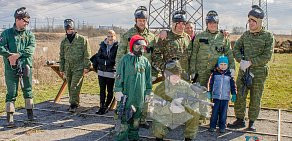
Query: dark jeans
[219,110]
[106,83]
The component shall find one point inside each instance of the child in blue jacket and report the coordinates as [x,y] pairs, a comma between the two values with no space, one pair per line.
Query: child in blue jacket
[221,84]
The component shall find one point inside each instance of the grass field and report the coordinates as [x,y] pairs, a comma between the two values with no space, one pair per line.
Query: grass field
[277,93]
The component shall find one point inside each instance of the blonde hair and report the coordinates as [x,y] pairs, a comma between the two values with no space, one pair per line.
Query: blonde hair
[112,32]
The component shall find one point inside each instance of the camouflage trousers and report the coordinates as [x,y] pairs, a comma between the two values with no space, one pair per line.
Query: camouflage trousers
[74,80]
[256,91]
[203,79]
[191,128]
[129,129]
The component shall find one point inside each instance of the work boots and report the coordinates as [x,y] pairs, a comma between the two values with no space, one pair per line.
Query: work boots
[10,110]
[239,123]
[188,139]
[159,139]
[102,111]
[30,115]
[73,108]
[29,106]
[251,126]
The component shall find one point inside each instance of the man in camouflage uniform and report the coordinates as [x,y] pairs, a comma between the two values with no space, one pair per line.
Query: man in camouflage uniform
[140,29]
[207,48]
[170,109]
[17,47]
[74,62]
[253,50]
[173,44]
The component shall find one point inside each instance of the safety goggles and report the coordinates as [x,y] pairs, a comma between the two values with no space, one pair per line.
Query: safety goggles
[139,48]
[26,21]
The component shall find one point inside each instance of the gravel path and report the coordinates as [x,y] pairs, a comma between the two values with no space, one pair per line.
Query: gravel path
[55,123]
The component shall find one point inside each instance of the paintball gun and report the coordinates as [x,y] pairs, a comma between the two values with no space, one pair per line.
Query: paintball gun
[121,111]
[247,76]
[21,71]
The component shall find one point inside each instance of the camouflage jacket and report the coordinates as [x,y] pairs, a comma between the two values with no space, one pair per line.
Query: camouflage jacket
[206,50]
[174,46]
[257,48]
[125,39]
[74,55]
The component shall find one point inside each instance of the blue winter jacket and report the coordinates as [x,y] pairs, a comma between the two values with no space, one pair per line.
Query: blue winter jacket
[221,84]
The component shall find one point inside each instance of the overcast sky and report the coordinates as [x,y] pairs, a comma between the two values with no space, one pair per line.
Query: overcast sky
[120,12]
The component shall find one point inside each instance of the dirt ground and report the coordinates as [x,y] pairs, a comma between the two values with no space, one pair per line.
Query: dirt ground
[55,123]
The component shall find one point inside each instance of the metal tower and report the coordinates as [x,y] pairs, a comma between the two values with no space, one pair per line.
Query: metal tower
[264,5]
[160,12]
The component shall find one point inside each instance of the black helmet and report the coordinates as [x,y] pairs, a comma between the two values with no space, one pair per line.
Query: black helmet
[173,67]
[20,13]
[212,16]
[179,16]
[256,12]
[141,13]
[68,23]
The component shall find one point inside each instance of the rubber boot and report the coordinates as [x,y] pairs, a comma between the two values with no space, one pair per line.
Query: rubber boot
[30,115]
[239,123]
[10,121]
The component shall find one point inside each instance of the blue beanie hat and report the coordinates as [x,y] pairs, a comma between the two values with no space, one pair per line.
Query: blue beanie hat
[222,59]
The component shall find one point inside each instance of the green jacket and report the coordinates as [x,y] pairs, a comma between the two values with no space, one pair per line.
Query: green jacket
[174,46]
[133,78]
[74,55]
[258,48]
[125,39]
[22,42]
[207,49]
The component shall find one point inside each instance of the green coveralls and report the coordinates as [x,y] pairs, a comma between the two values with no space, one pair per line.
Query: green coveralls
[74,58]
[22,42]
[124,49]
[133,78]
[258,48]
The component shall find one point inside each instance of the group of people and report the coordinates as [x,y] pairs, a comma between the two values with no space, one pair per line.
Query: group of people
[126,69]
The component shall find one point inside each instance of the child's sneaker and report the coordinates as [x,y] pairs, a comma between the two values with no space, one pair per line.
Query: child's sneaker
[222,130]
[211,129]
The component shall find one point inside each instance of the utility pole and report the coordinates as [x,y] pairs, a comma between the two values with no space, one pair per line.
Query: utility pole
[160,12]
[35,26]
